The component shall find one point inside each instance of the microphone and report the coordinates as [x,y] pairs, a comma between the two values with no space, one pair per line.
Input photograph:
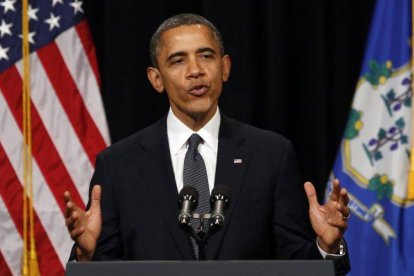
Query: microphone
[187,203]
[219,201]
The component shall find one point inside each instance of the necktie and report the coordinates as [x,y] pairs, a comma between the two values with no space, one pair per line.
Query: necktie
[195,175]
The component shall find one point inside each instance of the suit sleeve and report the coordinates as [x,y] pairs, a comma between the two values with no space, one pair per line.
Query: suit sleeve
[294,236]
[109,246]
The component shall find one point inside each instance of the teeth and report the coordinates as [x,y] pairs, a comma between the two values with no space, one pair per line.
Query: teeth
[197,88]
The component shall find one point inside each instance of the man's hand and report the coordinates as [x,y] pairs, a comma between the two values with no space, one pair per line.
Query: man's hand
[329,221]
[84,227]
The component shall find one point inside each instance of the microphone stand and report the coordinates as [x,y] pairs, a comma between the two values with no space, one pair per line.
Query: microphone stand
[219,201]
[203,234]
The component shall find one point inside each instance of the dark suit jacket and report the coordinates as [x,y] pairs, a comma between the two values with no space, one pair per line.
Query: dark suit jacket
[267,218]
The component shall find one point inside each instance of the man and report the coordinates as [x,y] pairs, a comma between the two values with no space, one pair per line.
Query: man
[133,211]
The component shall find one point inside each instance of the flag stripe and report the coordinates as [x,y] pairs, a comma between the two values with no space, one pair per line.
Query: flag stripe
[44,153]
[11,192]
[84,34]
[10,244]
[44,202]
[59,128]
[75,58]
[4,268]
[72,103]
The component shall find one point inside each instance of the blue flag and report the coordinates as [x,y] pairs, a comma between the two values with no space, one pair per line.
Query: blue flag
[373,162]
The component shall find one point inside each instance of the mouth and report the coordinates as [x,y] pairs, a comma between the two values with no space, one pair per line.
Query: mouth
[198,90]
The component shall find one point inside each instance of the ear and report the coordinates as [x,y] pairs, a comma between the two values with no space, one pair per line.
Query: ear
[154,77]
[226,65]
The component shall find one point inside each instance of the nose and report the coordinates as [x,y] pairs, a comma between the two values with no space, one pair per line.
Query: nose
[195,69]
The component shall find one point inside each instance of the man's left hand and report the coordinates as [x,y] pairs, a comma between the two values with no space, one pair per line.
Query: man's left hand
[329,221]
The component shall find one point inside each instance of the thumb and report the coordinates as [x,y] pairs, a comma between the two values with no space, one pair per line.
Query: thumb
[311,194]
[96,197]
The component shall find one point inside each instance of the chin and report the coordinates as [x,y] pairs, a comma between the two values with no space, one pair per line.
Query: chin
[203,110]
[198,113]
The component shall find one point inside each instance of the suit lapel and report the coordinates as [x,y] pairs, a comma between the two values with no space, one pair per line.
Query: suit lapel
[156,168]
[232,162]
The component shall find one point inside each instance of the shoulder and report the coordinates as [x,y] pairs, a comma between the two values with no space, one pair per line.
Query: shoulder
[253,137]
[137,142]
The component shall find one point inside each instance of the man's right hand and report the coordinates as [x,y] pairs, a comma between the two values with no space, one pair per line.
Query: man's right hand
[84,227]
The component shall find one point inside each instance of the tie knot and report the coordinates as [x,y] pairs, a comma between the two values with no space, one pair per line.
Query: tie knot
[194,141]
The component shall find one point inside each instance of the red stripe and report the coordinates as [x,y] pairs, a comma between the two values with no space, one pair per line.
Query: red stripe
[4,268]
[71,100]
[44,151]
[12,193]
[86,39]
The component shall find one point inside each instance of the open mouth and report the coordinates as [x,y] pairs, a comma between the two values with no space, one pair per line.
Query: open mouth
[198,90]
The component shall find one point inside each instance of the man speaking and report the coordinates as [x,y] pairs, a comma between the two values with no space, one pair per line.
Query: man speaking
[132,213]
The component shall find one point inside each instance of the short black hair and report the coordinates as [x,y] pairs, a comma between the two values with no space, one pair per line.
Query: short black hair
[177,21]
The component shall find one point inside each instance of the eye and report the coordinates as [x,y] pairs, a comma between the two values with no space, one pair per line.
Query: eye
[177,61]
[207,56]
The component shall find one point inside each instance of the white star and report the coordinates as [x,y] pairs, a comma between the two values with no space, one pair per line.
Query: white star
[3,53]
[53,21]
[77,6]
[31,35]
[32,13]
[8,5]
[57,1]
[5,28]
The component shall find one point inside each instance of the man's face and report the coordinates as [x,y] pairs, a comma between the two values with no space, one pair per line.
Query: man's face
[191,70]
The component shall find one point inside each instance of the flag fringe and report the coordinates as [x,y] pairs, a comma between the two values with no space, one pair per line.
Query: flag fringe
[410,188]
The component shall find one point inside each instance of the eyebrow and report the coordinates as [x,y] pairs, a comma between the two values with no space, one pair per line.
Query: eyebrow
[182,53]
[206,49]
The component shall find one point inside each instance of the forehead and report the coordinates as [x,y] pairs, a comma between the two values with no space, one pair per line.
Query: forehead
[186,38]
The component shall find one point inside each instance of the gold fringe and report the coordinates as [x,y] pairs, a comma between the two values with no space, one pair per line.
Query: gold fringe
[410,192]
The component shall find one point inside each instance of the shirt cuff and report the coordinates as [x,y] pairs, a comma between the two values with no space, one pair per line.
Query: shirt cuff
[328,256]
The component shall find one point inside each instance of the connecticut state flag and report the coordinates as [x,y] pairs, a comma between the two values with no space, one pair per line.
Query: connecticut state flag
[374,161]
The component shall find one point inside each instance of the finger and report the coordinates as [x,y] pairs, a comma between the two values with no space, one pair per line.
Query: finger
[66,196]
[343,210]
[311,194]
[75,233]
[341,225]
[69,222]
[343,197]
[96,197]
[71,207]
[67,199]
[69,204]
[336,188]
[73,221]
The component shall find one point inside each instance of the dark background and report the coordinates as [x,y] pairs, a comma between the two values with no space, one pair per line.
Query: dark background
[295,64]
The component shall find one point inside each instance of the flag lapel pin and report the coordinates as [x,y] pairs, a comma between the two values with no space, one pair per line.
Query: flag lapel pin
[237,161]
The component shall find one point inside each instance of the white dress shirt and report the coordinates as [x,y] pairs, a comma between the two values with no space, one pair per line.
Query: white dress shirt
[178,134]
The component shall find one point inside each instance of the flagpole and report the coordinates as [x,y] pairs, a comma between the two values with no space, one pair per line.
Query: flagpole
[30,266]
[411,172]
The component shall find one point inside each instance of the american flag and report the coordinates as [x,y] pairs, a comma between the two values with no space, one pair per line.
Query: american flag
[68,126]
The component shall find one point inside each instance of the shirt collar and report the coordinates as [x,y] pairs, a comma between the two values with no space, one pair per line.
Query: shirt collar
[178,132]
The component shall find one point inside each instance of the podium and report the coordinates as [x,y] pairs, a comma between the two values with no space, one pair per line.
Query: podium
[202,268]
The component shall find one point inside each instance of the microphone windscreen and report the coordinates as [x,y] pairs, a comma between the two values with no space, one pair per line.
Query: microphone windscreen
[188,190]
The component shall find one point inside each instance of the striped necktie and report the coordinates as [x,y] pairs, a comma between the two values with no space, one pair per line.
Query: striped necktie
[195,175]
